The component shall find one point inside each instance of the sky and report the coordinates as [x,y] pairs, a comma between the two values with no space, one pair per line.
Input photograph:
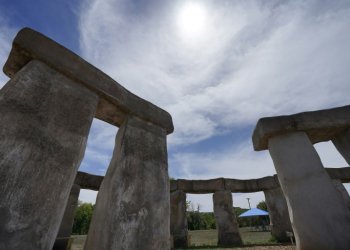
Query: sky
[215,66]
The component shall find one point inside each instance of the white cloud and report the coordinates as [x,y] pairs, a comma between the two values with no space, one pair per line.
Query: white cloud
[100,147]
[88,196]
[239,162]
[256,59]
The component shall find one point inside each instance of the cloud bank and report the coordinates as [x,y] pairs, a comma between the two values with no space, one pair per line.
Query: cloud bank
[255,59]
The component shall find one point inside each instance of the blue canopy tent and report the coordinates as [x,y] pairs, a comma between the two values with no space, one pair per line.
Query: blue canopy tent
[256,212]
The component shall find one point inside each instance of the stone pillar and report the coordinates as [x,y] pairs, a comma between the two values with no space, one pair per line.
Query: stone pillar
[226,222]
[45,121]
[66,227]
[342,143]
[344,193]
[319,216]
[278,213]
[133,205]
[178,219]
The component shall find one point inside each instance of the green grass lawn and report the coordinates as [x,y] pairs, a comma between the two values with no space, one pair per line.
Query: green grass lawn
[201,238]
[209,237]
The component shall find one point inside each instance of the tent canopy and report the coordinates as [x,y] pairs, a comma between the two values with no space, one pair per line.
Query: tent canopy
[254,212]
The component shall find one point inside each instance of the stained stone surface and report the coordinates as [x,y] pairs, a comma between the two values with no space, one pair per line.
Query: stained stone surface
[319,215]
[66,226]
[278,213]
[178,219]
[45,120]
[226,222]
[133,205]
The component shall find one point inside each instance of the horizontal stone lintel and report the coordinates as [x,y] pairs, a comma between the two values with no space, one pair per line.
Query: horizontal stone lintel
[88,181]
[116,102]
[320,125]
[93,182]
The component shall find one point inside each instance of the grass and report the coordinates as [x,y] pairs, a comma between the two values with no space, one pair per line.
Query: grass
[209,237]
[203,239]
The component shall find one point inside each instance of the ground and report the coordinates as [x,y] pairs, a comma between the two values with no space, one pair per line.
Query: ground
[208,238]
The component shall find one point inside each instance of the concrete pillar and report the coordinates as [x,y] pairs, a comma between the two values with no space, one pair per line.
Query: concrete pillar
[278,213]
[226,222]
[342,143]
[178,219]
[319,216]
[133,205]
[344,193]
[45,121]
[66,226]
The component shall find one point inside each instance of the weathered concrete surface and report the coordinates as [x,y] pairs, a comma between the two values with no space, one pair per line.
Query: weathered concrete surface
[321,125]
[318,213]
[178,219]
[66,226]
[278,212]
[115,103]
[133,206]
[234,185]
[88,181]
[252,185]
[226,222]
[45,120]
[344,193]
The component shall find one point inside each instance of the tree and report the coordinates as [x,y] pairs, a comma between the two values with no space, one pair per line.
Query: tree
[197,220]
[82,218]
[262,205]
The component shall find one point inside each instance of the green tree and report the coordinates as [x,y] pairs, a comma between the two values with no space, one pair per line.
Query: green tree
[262,205]
[82,218]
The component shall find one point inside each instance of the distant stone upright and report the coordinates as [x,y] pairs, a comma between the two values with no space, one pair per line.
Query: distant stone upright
[46,111]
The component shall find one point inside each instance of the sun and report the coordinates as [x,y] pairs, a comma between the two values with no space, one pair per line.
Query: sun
[191,20]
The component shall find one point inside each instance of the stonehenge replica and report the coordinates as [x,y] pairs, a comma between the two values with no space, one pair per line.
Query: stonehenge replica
[46,110]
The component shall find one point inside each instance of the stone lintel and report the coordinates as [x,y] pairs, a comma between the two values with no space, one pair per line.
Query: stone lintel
[173,185]
[184,185]
[212,185]
[252,185]
[116,102]
[320,125]
[88,181]
[220,184]
[93,182]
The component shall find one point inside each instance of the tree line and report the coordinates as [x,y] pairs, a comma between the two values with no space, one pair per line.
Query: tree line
[196,219]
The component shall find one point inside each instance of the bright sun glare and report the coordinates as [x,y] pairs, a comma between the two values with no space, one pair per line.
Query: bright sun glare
[192,19]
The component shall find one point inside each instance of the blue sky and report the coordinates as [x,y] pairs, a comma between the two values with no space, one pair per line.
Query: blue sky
[216,66]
